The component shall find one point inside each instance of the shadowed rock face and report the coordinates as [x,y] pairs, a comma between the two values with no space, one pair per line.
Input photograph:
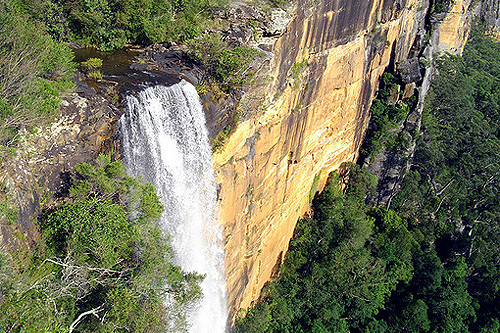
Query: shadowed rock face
[447,32]
[490,11]
[312,116]
[39,172]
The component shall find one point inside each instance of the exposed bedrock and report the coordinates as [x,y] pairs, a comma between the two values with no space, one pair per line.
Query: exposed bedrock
[38,173]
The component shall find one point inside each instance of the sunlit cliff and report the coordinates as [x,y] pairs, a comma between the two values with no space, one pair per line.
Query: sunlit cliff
[315,94]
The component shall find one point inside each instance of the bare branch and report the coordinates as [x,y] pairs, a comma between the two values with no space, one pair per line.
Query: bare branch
[94,269]
[445,187]
[93,312]
[439,207]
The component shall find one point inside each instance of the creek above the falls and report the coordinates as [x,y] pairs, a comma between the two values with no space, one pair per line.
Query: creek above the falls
[118,71]
[165,141]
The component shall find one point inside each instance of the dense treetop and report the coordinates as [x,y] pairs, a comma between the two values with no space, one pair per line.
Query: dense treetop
[110,24]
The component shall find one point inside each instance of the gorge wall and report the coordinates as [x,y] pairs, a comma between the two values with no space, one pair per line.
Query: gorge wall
[305,115]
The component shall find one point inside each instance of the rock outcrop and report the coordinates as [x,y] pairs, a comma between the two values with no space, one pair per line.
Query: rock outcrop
[490,12]
[38,171]
[450,29]
[447,33]
[305,115]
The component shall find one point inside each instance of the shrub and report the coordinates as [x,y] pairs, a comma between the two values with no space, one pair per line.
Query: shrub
[91,67]
[227,65]
[102,263]
[110,24]
[34,71]
[385,119]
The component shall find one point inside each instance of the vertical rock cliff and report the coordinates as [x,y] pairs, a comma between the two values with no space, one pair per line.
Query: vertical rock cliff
[307,114]
[446,31]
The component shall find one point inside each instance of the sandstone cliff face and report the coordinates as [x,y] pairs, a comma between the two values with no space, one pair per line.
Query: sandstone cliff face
[451,29]
[314,98]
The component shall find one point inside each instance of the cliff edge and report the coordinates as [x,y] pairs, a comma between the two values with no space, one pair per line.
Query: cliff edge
[305,115]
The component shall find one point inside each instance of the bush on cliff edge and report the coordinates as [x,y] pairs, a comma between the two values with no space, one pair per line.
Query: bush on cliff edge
[102,265]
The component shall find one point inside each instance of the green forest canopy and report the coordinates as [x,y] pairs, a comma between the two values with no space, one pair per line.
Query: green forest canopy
[110,24]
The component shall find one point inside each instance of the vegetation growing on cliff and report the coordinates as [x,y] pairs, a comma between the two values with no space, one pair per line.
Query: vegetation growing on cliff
[388,112]
[102,265]
[441,6]
[429,264]
[35,71]
[227,65]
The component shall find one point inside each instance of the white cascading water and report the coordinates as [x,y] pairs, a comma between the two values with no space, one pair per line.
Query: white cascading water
[165,141]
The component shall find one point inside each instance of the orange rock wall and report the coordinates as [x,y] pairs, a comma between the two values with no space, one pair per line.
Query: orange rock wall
[315,96]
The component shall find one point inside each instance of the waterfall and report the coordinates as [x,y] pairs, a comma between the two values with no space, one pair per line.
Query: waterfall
[165,141]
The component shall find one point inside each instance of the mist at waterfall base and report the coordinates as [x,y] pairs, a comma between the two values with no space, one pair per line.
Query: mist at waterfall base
[165,141]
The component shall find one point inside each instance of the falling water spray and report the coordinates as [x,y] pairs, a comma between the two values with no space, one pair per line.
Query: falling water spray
[165,141]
